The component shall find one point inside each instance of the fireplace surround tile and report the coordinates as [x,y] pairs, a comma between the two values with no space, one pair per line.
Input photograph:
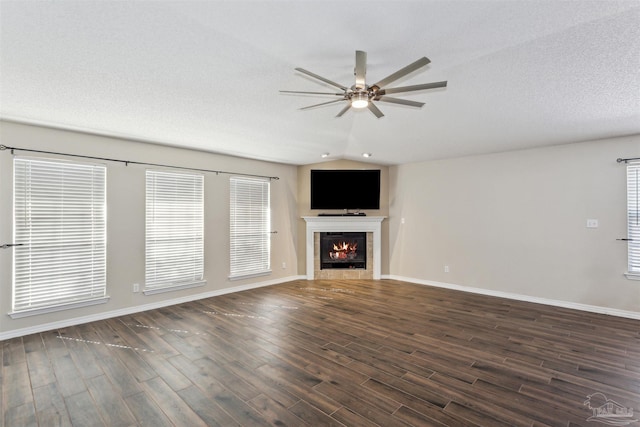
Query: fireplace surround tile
[342,274]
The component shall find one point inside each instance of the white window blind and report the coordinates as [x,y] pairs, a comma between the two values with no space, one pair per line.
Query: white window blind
[60,225]
[250,227]
[174,230]
[633,217]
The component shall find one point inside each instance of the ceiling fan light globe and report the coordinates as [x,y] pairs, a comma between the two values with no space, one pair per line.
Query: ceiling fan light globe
[359,103]
[359,100]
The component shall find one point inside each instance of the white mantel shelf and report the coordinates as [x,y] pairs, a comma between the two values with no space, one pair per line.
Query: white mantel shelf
[355,223]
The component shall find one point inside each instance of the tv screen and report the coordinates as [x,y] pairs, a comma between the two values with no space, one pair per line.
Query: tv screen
[345,189]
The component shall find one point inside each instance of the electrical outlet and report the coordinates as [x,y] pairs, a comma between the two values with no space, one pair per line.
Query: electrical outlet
[446,268]
[284,265]
[136,287]
[592,223]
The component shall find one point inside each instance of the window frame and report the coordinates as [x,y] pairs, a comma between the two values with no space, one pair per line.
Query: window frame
[256,211]
[51,209]
[633,220]
[168,230]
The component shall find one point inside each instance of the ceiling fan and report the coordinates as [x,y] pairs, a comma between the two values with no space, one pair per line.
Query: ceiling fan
[361,95]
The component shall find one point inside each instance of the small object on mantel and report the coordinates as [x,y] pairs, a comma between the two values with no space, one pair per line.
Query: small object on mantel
[343,214]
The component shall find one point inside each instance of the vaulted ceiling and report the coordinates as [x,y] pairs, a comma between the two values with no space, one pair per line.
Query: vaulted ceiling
[207,74]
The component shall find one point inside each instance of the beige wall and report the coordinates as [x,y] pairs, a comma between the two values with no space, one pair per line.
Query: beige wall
[126,208]
[511,222]
[516,223]
[304,203]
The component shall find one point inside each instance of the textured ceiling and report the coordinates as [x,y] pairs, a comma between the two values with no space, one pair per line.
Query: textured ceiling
[206,74]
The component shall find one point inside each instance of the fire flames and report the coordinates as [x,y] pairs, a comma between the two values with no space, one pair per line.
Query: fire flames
[344,250]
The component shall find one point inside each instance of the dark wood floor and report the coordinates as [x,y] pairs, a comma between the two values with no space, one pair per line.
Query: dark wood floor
[327,353]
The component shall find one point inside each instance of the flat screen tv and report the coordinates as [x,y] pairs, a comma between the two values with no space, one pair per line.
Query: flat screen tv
[345,189]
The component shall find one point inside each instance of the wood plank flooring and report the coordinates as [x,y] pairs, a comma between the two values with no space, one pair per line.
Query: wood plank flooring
[327,353]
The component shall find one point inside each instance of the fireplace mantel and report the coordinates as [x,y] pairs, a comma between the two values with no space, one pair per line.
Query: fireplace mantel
[318,224]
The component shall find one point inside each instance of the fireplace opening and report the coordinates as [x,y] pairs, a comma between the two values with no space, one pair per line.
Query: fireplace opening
[343,250]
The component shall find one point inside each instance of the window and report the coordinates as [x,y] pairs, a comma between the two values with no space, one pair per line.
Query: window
[174,231]
[250,227]
[60,227]
[633,219]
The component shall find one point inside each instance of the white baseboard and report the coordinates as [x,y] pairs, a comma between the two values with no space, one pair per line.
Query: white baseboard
[520,297]
[138,308]
[131,310]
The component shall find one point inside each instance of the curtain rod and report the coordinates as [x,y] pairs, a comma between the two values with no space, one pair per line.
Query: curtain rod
[619,160]
[131,162]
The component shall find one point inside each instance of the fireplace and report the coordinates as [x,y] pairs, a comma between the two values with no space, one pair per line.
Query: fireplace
[342,250]
[371,225]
